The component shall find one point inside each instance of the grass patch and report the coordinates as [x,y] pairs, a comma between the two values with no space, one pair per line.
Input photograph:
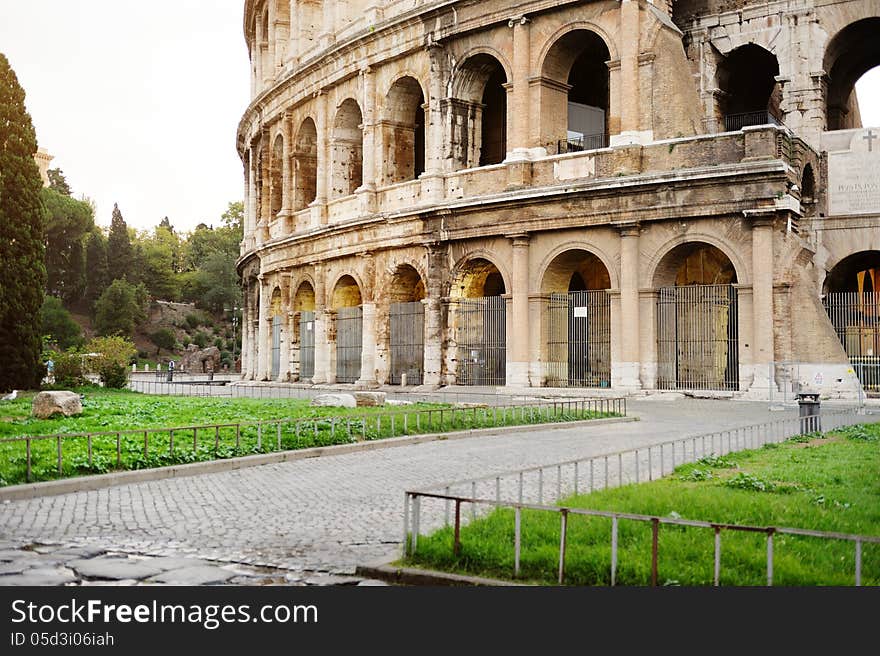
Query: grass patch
[828,483]
[111,411]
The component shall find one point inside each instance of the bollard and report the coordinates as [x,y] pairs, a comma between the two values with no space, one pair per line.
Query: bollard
[403,380]
[809,412]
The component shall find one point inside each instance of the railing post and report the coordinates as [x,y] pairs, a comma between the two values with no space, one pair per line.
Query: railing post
[118,450]
[655,538]
[27,446]
[517,539]
[858,562]
[613,551]
[717,555]
[770,532]
[60,467]
[89,443]
[405,524]
[562,530]
[456,543]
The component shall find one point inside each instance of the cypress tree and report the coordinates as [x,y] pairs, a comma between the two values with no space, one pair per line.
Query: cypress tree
[22,269]
[96,266]
[119,251]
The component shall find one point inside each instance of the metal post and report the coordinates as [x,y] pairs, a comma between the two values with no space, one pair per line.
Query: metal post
[858,562]
[59,455]
[655,538]
[456,544]
[517,539]
[237,436]
[260,436]
[564,514]
[497,490]
[541,485]
[278,436]
[446,492]
[89,442]
[473,496]
[770,557]
[520,487]
[118,451]
[717,555]
[416,516]
[613,550]
[576,478]
[558,483]
[406,523]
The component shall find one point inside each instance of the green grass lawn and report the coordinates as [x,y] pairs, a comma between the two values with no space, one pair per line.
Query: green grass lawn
[110,411]
[828,484]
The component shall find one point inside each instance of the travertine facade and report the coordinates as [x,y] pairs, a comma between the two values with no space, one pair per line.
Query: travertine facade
[556,184]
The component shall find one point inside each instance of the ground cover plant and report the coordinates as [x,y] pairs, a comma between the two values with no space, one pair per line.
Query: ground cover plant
[821,482]
[112,411]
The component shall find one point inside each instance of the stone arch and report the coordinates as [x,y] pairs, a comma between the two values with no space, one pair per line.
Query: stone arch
[575,269]
[276,176]
[851,53]
[276,302]
[808,184]
[346,292]
[656,271]
[694,263]
[576,91]
[305,165]
[347,146]
[403,131]
[591,249]
[478,276]
[751,95]
[479,108]
[857,272]
[304,297]
[406,284]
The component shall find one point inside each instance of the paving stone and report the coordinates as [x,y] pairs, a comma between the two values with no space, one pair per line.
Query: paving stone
[331,580]
[108,567]
[16,566]
[39,576]
[166,563]
[203,575]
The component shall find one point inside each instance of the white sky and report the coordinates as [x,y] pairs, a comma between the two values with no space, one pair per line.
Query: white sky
[138,101]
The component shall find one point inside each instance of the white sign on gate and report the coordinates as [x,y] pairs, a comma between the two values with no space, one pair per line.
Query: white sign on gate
[581,312]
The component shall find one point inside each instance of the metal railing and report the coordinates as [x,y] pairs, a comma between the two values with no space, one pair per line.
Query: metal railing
[733,122]
[525,488]
[580,144]
[290,433]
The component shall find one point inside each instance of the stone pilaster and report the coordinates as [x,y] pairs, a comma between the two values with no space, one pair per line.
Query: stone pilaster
[762,300]
[264,336]
[433,339]
[518,337]
[519,107]
[322,347]
[368,347]
[322,171]
[625,373]
[367,191]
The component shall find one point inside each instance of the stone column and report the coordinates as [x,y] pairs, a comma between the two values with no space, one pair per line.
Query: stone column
[251,208]
[433,187]
[264,335]
[519,106]
[245,318]
[518,336]
[433,339]
[296,26]
[367,190]
[322,166]
[273,27]
[625,373]
[265,189]
[327,36]
[629,75]
[322,347]
[762,300]
[368,347]
[286,332]
[285,214]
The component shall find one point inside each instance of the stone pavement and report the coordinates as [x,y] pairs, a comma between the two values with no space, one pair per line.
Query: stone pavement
[308,522]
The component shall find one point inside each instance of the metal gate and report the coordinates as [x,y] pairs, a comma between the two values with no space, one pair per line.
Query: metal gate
[579,340]
[856,319]
[407,341]
[481,335]
[276,346]
[306,345]
[349,343]
[697,338]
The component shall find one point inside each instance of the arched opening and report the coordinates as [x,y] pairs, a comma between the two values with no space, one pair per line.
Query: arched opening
[479,321]
[347,149]
[578,61]
[749,91]
[406,326]
[579,321]
[478,110]
[808,185]
[303,343]
[276,317]
[852,52]
[305,165]
[697,328]
[276,177]
[346,301]
[403,131]
[852,300]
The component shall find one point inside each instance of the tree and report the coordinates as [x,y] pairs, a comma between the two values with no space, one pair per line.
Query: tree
[163,339]
[22,272]
[96,266]
[215,284]
[119,251]
[156,263]
[68,223]
[58,325]
[120,308]
[114,354]
[57,182]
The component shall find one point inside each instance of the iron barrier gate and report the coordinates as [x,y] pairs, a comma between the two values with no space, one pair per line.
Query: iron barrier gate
[481,335]
[697,338]
[276,346]
[349,342]
[856,320]
[579,340]
[407,342]
[306,345]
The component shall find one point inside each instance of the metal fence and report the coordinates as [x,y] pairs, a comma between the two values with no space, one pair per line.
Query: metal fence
[856,320]
[443,505]
[697,338]
[582,143]
[276,346]
[407,342]
[481,335]
[579,340]
[114,447]
[733,122]
[349,343]
[306,345]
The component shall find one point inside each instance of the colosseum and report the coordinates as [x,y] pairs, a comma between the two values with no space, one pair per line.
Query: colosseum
[609,194]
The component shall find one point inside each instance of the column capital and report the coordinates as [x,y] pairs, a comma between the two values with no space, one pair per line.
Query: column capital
[519,239]
[519,20]
[761,218]
[629,229]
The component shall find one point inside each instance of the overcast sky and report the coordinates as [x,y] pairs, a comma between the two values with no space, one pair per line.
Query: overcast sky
[138,101]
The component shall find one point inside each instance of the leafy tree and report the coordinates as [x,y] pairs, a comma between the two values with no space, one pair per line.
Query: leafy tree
[233,217]
[114,355]
[96,266]
[58,325]
[119,251]
[215,284]
[156,261]
[163,339]
[68,224]
[22,272]
[120,308]
[57,182]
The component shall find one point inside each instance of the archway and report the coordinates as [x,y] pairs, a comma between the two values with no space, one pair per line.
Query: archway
[750,94]
[276,177]
[697,328]
[406,326]
[304,332]
[480,323]
[346,301]
[479,113]
[403,131]
[852,300]
[852,52]
[578,61]
[305,165]
[347,146]
[578,321]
